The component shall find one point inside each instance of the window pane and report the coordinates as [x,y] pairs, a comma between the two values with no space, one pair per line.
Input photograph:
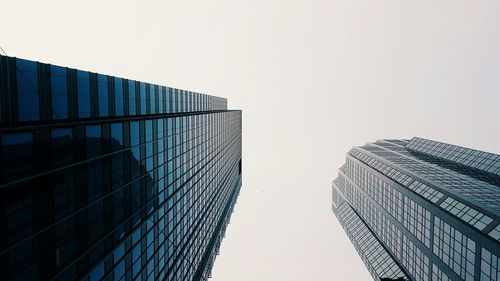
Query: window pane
[59,91]
[27,89]
[17,154]
[97,273]
[116,136]
[118,97]
[93,134]
[152,98]
[161,97]
[83,85]
[134,133]
[134,138]
[174,101]
[167,100]
[143,97]
[131,98]
[102,92]
[62,146]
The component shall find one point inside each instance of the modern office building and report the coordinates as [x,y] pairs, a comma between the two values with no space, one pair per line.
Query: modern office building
[421,210]
[105,178]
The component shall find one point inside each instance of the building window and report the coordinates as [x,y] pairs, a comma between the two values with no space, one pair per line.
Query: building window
[118,97]
[116,136]
[62,146]
[142,96]
[93,134]
[490,266]
[161,97]
[27,89]
[97,273]
[83,90]
[17,154]
[152,99]
[59,89]
[102,92]
[131,98]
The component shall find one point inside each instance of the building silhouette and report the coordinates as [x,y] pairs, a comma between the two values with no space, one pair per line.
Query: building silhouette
[421,210]
[105,178]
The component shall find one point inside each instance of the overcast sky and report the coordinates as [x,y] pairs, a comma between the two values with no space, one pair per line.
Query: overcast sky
[313,79]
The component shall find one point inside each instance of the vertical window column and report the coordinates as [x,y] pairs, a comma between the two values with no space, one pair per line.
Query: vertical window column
[132,98]
[83,93]
[102,94]
[27,90]
[118,82]
[59,89]
[142,98]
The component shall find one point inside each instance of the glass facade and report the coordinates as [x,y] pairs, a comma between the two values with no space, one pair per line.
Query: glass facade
[431,210]
[104,178]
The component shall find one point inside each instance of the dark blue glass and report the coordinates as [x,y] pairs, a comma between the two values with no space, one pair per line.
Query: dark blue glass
[117,136]
[83,85]
[59,89]
[131,98]
[93,134]
[136,268]
[119,251]
[149,138]
[136,252]
[93,131]
[102,93]
[152,98]
[149,165]
[119,270]
[143,97]
[161,97]
[62,146]
[16,139]
[167,100]
[160,128]
[174,101]
[150,251]
[136,235]
[27,89]
[97,273]
[17,155]
[118,97]
[149,130]
[134,133]
[134,139]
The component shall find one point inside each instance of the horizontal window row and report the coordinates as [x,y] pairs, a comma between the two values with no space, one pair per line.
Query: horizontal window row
[481,160]
[25,154]
[466,213]
[49,92]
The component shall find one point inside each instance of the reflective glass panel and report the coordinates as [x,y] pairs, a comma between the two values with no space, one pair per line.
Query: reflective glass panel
[17,150]
[143,98]
[118,97]
[83,91]
[102,91]
[58,84]
[131,98]
[27,89]
[62,146]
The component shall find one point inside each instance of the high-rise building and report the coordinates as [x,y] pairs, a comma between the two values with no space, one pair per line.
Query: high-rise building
[105,178]
[421,210]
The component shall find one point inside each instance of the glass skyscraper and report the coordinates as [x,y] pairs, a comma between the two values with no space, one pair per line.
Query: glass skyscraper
[106,178]
[421,210]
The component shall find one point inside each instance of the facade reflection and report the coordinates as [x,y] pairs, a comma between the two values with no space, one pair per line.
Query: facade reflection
[113,179]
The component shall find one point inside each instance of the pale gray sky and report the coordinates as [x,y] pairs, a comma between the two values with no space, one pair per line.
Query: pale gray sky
[313,78]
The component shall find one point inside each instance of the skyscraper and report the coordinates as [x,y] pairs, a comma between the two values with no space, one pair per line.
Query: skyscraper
[108,178]
[421,210]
